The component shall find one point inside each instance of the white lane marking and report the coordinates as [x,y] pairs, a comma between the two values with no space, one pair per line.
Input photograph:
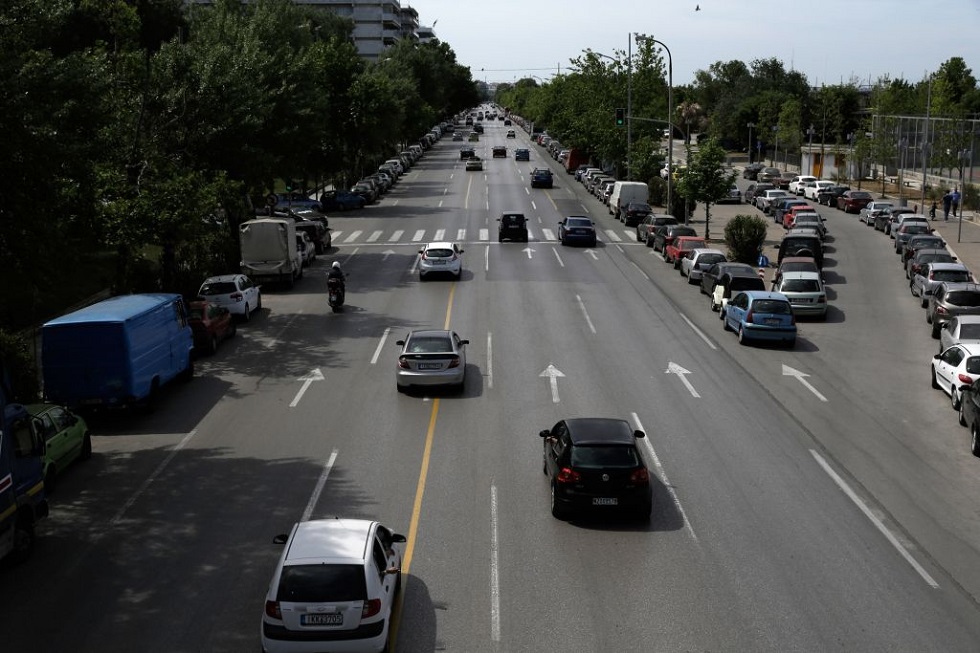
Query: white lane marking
[645,275]
[558,256]
[484,234]
[613,236]
[354,235]
[440,234]
[374,236]
[526,190]
[489,357]
[381,343]
[461,234]
[620,248]
[494,566]
[440,203]
[418,235]
[488,204]
[548,234]
[533,205]
[152,477]
[415,265]
[486,259]
[588,320]
[698,331]
[351,255]
[874,520]
[530,235]
[335,235]
[307,379]
[585,208]
[540,221]
[663,475]
[396,236]
[320,482]
[395,203]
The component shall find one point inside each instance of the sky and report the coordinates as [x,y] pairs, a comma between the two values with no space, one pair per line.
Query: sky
[829,41]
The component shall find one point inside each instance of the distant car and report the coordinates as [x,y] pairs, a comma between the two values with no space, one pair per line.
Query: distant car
[236,292]
[541,178]
[474,137]
[594,464]
[634,212]
[507,122]
[961,330]
[799,182]
[474,163]
[499,151]
[928,276]
[950,299]
[920,242]
[577,229]
[210,324]
[733,281]
[871,208]
[478,128]
[828,196]
[341,201]
[907,231]
[734,196]
[805,293]
[751,171]
[335,587]
[954,368]
[458,136]
[795,264]
[431,358]
[810,220]
[713,275]
[812,189]
[681,245]
[646,230]
[769,175]
[761,315]
[466,152]
[440,258]
[667,232]
[513,226]
[522,154]
[923,256]
[853,201]
[66,437]
[511,134]
[698,260]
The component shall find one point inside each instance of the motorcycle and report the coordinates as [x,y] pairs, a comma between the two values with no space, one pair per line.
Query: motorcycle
[335,294]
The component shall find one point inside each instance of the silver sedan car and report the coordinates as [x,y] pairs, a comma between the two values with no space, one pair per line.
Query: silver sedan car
[960,330]
[432,358]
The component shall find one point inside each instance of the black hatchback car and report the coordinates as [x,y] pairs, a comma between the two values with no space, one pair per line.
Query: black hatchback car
[541,178]
[594,463]
[513,226]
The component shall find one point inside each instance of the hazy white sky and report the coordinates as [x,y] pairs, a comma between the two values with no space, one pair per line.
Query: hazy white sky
[829,41]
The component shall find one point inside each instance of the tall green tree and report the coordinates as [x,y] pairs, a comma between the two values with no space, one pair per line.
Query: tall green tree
[705,180]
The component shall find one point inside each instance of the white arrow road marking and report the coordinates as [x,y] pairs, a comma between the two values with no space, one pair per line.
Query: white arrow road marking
[315,375]
[528,250]
[588,320]
[386,254]
[553,374]
[674,368]
[377,352]
[591,252]
[789,371]
[558,256]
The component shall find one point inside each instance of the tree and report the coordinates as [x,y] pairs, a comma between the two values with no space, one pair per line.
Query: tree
[705,180]
[745,236]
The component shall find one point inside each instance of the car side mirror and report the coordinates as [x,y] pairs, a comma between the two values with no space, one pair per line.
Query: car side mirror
[281,538]
[420,251]
[545,433]
[400,343]
[464,342]
[398,538]
[639,434]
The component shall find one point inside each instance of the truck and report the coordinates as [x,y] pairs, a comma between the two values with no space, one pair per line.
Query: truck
[269,253]
[575,158]
[23,502]
[117,352]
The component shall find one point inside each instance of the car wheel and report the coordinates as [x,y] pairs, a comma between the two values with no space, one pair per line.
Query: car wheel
[649,242]
[500,239]
[421,277]
[248,314]
[23,543]
[563,242]
[258,303]
[690,279]
[232,330]
[935,330]
[212,345]
[49,480]
[676,263]
[557,511]
[961,414]
[924,302]
[459,275]
[975,440]
[954,397]
[935,383]
[741,334]
[724,325]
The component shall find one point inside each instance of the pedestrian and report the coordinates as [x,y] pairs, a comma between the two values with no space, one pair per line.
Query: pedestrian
[932,211]
[955,200]
[947,204]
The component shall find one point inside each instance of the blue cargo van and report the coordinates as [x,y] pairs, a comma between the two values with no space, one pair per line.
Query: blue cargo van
[117,352]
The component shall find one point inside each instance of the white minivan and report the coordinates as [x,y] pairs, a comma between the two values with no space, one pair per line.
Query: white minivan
[623,193]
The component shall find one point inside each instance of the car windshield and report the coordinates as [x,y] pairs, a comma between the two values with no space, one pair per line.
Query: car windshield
[799,267]
[604,456]
[771,307]
[927,243]
[951,275]
[218,288]
[973,365]
[965,298]
[638,207]
[512,220]
[578,222]
[915,229]
[321,584]
[429,345]
[969,331]
[800,285]
[710,259]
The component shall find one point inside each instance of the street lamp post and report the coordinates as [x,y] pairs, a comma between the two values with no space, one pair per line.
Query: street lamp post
[903,144]
[809,152]
[670,122]
[750,125]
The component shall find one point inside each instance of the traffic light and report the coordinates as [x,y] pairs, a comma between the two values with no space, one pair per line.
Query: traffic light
[620,117]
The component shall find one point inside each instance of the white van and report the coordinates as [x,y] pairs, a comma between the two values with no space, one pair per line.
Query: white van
[623,193]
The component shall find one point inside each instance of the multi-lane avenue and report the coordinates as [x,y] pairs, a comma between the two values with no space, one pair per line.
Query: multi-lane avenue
[812,499]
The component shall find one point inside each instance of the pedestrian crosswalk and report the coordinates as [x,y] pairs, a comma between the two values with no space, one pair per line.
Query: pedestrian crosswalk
[341,237]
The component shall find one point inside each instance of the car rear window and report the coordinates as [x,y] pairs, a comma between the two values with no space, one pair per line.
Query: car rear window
[710,259]
[951,275]
[578,222]
[218,288]
[605,456]
[860,195]
[747,283]
[322,584]
[970,331]
[965,298]
[800,285]
[771,306]
[438,253]
[429,345]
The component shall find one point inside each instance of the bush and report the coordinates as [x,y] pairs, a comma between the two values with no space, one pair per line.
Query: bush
[745,235]
[17,354]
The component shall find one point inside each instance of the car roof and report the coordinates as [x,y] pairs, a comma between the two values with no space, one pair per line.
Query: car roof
[701,251]
[801,274]
[972,348]
[599,430]
[947,266]
[764,294]
[440,244]
[960,285]
[335,540]
[733,273]
[221,277]
[799,259]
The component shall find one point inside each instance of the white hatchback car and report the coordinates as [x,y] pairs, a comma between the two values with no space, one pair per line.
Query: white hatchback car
[333,589]
[954,368]
[236,292]
[698,260]
[441,258]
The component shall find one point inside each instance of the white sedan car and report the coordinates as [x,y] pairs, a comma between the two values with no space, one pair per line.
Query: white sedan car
[698,260]
[441,258]
[236,292]
[954,368]
[811,191]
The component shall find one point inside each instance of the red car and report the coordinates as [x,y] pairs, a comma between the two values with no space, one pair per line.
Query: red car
[211,324]
[853,201]
[675,251]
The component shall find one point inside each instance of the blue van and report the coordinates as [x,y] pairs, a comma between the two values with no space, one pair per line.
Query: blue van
[117,352]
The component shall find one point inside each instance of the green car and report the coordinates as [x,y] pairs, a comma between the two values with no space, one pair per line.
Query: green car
[66,437]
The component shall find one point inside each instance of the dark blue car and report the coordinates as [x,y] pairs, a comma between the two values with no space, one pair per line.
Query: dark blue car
[341,201]
[577,229]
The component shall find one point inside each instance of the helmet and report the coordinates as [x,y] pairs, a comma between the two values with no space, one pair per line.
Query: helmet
[335,265]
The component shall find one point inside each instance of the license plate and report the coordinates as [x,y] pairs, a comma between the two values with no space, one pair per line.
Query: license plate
[430,366]
[600,501]
[803,300]
[321,619]
[437,262]
[772,321]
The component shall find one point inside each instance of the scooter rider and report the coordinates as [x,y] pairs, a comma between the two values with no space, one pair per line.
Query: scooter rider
[336,273]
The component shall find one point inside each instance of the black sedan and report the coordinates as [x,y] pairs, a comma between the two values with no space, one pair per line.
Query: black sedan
[577,229]
[710,276]
[541,178]
[594,464]
[828,196]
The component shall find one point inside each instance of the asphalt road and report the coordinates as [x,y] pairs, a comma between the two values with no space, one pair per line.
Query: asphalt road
[831,511]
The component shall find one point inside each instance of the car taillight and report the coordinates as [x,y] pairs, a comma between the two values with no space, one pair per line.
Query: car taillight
[453,362]
[941,310]
[272,609]
[965,379]
[371,608]
[403,362]
[822,299]
[750,316]
[568,475]
[237,296]
[640,476]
